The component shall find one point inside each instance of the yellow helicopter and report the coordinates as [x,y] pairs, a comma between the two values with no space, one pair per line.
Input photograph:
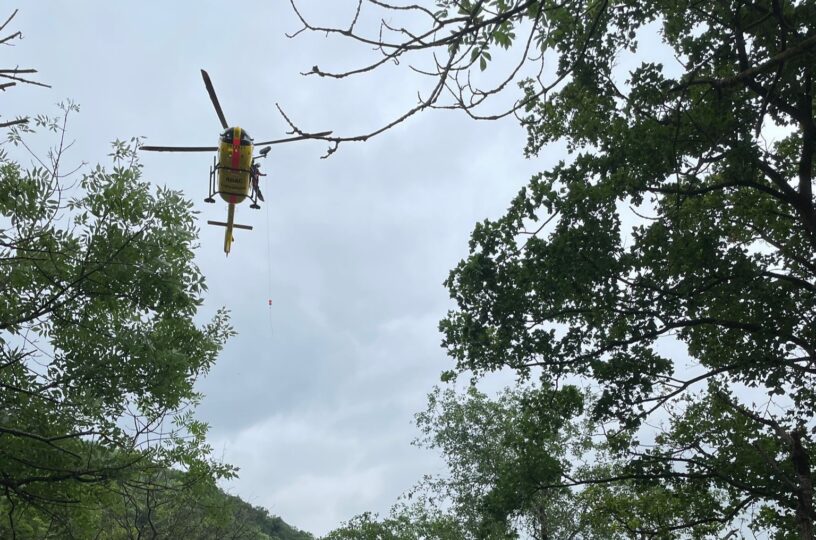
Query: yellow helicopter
[234,174]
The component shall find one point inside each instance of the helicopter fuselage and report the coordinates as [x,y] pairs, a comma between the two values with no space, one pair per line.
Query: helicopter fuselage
[234,165]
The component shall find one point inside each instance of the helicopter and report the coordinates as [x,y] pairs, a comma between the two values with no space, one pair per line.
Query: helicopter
[234,173]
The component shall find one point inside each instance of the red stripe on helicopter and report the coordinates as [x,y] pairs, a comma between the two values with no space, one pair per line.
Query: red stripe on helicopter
[236,148]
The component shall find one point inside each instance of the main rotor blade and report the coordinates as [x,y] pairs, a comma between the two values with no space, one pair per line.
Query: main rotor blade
[179,148]
[298,138]
[210,90]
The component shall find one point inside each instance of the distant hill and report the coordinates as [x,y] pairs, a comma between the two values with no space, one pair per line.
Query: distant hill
[204,512]
[157,503]
[267,525]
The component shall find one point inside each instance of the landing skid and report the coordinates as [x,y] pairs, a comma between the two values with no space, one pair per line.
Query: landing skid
[213,189]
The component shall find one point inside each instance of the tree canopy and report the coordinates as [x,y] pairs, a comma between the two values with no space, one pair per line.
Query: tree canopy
[668,262]
[99,350]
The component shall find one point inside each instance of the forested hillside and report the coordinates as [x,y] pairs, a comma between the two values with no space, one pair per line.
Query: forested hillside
[155,504]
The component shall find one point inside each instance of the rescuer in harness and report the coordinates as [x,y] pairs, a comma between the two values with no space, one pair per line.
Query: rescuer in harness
[255,176]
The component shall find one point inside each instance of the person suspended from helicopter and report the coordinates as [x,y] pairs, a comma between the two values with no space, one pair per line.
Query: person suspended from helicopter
[255,176]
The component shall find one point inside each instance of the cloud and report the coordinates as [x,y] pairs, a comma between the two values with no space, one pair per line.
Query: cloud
[340,469]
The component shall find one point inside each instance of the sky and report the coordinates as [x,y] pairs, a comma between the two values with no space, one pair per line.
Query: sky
[314,398]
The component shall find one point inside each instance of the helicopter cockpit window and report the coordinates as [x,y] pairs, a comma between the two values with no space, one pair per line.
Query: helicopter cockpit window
[229,134]
[245,138]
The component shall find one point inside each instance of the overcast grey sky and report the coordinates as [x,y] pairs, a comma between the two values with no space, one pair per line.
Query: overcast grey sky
[314,398]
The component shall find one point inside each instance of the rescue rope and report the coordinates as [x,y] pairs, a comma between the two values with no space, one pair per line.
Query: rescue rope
[269,264]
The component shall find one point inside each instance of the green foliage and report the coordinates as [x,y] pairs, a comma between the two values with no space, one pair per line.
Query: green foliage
[273,527]
[499,452]
[675,225]
[176,506]
[410,524]
[510,462]
[153,503]
[99,350]
[669,264]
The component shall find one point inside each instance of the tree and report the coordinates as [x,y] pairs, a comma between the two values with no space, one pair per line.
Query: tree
[499,454]
[670,262]
[405,524]
[99,350]
[722,259]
